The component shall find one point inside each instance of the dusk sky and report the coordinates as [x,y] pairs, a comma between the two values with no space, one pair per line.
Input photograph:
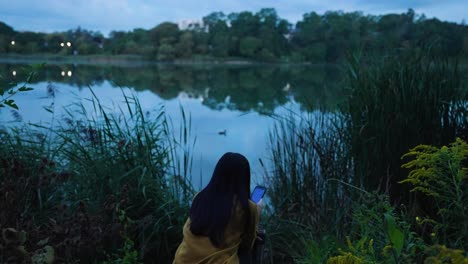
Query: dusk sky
[108,15]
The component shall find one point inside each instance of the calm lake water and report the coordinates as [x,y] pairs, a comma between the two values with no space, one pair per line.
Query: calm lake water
[237,100]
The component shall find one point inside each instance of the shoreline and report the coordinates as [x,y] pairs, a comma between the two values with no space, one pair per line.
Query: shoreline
[134,60]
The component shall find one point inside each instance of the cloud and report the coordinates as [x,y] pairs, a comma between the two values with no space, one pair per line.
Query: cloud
[104,15]
[107,15]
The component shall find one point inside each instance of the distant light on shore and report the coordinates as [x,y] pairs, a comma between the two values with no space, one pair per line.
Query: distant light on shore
[63,73]
[62,44]
[13,42]
[69,73]
[14,73]
[68,44]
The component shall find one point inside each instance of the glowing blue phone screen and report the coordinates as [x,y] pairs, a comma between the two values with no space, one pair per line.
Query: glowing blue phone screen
[257,194]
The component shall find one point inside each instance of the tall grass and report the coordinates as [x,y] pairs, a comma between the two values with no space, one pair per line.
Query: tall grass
[68,183]
[395,103]
[324,163]
[308,184]
[181,147]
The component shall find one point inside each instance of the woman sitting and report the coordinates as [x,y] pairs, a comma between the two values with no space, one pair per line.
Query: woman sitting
[223,220]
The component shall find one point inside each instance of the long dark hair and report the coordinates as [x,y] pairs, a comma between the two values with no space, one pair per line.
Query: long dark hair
[212,207]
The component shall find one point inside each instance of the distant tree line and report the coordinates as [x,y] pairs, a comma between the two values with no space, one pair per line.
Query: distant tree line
[262,36]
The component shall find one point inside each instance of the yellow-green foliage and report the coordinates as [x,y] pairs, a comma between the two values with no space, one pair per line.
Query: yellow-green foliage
[347,258]
[442,174]
[446,255]
[357,253]
[363,246]
[438,172]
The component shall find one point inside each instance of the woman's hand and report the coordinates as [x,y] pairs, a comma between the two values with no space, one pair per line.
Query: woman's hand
[260,206]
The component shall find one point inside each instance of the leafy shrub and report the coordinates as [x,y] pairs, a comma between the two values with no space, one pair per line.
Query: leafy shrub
[442,254]
[442,173]
[382,233]
[359,253]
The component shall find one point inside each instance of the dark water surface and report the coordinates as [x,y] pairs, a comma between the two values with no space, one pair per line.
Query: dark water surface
[230,106]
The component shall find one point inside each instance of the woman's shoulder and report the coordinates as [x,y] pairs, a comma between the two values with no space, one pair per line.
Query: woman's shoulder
[253,206]
[239,210]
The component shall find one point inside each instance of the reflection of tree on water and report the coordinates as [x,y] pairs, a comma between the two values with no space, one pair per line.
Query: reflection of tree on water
[249,88]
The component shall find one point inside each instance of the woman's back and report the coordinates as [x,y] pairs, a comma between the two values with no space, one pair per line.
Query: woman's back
[222,218]
[200,249]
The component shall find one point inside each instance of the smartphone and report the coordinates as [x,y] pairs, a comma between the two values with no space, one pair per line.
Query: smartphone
[258,194]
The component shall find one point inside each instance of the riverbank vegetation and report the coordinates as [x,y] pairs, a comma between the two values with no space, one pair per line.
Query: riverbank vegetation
[382,180]
[247,36]
[93,185]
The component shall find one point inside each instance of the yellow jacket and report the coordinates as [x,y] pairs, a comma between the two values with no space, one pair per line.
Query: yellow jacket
[199,249]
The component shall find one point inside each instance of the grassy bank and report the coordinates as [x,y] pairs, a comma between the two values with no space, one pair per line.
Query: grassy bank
[95,185]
